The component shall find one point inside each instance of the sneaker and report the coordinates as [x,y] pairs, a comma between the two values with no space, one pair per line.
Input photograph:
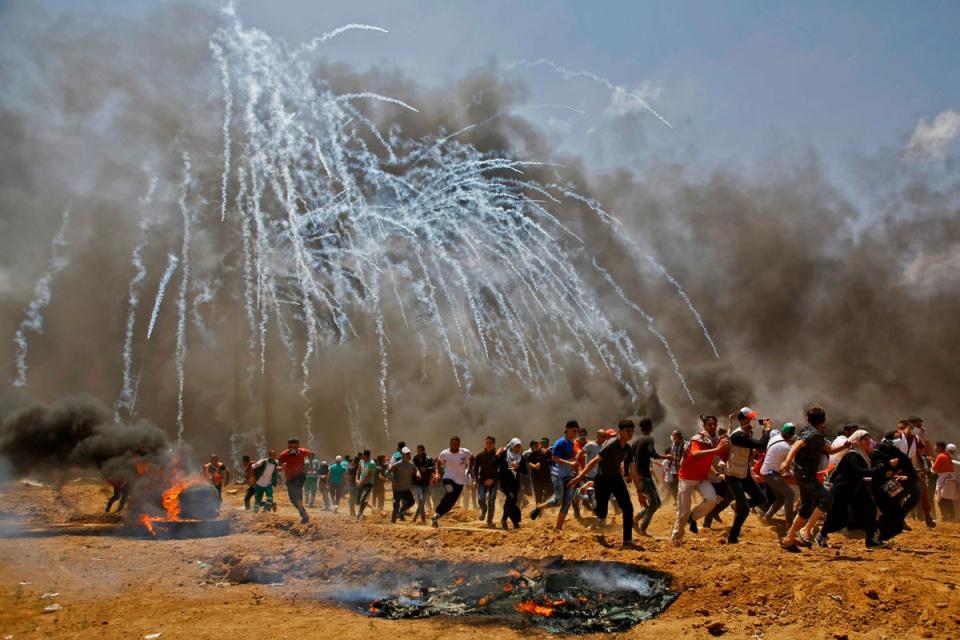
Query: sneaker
[693,526]
[733,540]
[821,541]
[930,523]
[503,524]
[876,543]
[907,527]
[804,540]
[535,513]
[792,547]
[435,521]
[304,520]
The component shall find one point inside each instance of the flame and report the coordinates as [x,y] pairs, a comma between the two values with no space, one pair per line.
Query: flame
[171,505]
[485,600]
[508,588]
[529,606]
[459,581]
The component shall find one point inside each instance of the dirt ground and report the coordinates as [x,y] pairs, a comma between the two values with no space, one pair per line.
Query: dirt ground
[116,586]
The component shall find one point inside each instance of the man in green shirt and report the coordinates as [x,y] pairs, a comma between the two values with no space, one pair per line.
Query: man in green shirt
[338,471]
[311,467]
[366,478]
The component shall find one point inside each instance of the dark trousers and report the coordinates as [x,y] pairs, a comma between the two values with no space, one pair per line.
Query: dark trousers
[362,495]
[605,487]
[511,510]
[379,496]
[251,491]
[741,488]
[295,492]
[451,493]
[402,502]
[353,498]
[119,493]
[542,490]
[336,492]
[650,489]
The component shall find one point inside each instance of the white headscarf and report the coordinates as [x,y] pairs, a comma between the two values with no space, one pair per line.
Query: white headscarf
[513,459]
[855,438]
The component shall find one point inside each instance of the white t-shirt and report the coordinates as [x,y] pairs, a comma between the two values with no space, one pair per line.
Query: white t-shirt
[777,450]
[455,465]
[266,478]
[835,458]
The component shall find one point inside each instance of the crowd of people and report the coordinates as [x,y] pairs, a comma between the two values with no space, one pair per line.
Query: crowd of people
[754,465]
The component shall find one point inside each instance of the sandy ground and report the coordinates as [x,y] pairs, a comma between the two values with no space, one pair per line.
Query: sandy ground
[114,586]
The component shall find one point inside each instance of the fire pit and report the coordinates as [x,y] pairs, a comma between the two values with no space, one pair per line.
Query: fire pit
[555,595]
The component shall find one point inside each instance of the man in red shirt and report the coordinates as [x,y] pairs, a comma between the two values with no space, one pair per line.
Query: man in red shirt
[694,476]
[293,461]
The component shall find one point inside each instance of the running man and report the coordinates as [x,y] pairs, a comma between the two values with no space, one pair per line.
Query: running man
[694,475]
[421,488]
[452,466]
[403,474]
[293,460]
[366,478]
[216,474]
[615,456]
[804,459]
[338,472]
[266,478]
[564,461]
[311,469]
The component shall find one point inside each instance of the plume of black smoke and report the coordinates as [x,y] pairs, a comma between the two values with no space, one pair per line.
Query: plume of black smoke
[802,307]
[76,431]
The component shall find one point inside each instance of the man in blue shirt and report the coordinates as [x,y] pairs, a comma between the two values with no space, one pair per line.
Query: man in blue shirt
[562,467]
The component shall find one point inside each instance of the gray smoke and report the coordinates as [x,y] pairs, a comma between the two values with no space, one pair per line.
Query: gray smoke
[809,295]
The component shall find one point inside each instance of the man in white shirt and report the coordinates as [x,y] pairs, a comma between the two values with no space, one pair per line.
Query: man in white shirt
[845,433]
[451,469]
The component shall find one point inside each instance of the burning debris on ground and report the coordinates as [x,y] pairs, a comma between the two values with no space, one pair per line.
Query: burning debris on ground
[553,594]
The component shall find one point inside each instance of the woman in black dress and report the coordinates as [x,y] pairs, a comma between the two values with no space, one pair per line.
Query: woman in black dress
[850,490]
[510,466]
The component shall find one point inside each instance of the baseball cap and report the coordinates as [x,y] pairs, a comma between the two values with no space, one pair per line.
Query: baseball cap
[788,429]
[611,433]
[747,412]
[951,448]
[405,450]
[544,440]
[339,458]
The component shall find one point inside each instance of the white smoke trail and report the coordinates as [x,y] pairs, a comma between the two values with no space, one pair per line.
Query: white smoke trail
[568,73]
[182,300]
[312,45]
[172,263]
[125,398]
[41,298]
[227,112]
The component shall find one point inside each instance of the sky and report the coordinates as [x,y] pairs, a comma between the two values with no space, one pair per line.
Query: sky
[734,79]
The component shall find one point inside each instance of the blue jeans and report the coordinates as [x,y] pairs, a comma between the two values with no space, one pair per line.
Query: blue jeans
[562,494]
[653,498]
[487,497]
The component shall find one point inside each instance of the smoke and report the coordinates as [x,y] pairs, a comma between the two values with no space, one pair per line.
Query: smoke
[810,294]
[75,431]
